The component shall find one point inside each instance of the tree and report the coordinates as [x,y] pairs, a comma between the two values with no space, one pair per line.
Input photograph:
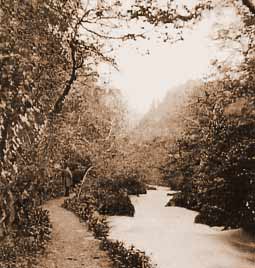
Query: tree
[219,140]
[42,55]
[211,159]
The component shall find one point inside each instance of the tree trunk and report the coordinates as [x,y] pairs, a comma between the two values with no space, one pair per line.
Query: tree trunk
[3,141]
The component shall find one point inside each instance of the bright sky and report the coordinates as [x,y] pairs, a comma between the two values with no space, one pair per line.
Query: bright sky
[143,77]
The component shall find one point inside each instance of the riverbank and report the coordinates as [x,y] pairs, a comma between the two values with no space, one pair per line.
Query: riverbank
[171,238]
[85,207]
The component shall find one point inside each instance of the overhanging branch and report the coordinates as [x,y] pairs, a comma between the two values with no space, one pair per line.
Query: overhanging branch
[83,180]
[60,101]
[123,37]
[169,15]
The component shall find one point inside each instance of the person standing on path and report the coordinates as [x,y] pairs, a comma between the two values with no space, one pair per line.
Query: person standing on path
[67,180]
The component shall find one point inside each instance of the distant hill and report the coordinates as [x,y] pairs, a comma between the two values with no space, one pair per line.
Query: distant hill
[162,118]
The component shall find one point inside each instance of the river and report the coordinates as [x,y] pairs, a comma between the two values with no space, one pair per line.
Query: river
[171,238]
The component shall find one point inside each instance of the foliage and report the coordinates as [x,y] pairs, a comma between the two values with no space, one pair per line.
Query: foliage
[131,183]
[110,196]
[212,159]
[218,145]
[154,12]
[42,56]
[20,248]
[35,64]
[48,61]
[29,228]
[124,257]
[87,207]
[144,150]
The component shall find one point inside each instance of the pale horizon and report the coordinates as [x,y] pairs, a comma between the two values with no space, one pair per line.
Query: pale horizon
[148,69]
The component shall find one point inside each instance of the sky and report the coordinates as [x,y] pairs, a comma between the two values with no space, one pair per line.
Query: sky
[149,68]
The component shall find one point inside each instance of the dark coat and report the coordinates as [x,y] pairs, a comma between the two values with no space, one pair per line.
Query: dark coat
[67,177]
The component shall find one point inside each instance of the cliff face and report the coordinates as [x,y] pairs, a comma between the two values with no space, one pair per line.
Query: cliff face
[162,120]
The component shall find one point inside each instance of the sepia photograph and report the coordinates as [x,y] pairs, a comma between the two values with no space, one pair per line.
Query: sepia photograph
[127,133]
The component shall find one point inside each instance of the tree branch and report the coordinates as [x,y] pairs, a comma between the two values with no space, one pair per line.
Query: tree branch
[169,15]
[123,37]
[110,131]
[83,180]
[60,101]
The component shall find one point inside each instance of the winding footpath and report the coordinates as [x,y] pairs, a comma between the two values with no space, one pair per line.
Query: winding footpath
[72,245]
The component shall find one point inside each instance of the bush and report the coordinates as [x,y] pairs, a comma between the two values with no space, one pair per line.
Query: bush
[115,203]
[25,241]
[216,155]
[132,184]
[111,195]
[122,257]
[212,216]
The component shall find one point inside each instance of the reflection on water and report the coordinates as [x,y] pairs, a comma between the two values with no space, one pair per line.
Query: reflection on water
[170,237]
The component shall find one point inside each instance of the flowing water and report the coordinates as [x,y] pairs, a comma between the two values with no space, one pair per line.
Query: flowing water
[172,239]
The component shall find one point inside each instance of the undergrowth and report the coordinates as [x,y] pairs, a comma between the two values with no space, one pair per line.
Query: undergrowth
[23,244]
[86,208]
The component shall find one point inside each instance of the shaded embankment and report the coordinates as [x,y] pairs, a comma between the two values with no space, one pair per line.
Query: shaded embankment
[72,246]
[173,240]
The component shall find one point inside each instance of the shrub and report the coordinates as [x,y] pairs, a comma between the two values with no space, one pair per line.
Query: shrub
[26,240]
[126,257]
[110,196]
[87,207]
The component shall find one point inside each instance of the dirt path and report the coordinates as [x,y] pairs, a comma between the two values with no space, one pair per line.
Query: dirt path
[72,246]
